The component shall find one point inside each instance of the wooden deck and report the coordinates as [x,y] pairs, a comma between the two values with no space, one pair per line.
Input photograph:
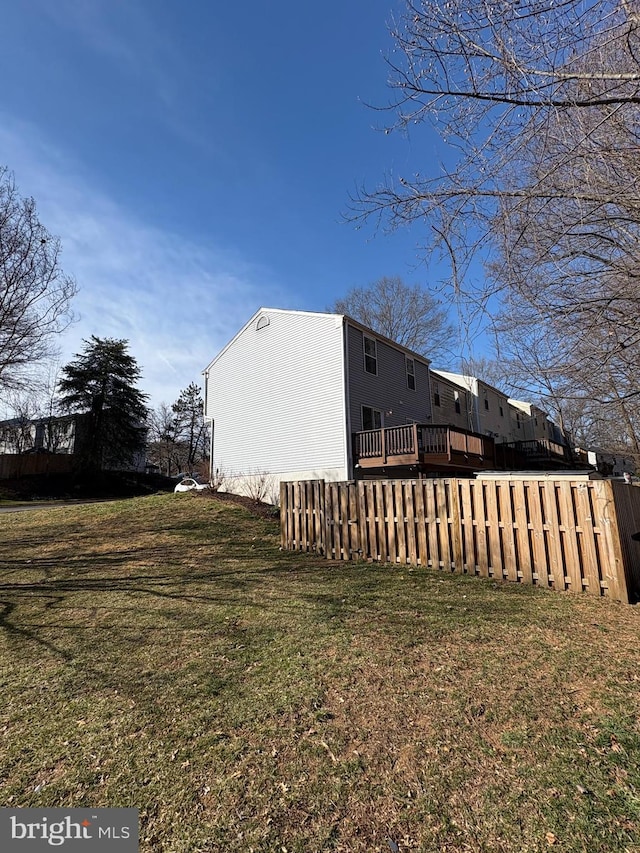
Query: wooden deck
[538,453]
[425,446]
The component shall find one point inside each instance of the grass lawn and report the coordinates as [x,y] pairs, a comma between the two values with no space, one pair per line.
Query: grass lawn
[163,653]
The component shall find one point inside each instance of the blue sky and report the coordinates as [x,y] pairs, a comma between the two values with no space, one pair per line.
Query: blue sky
[195,158]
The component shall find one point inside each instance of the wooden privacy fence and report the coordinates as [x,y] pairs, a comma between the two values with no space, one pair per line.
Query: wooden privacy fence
[561,534]
[29,464]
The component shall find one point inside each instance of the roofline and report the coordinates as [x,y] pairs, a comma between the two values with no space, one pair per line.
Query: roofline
[518,403]
[385,339]
[253,317]
[345,319]
[466,383]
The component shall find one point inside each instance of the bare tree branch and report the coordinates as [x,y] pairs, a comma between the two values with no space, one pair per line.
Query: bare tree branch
[35,294]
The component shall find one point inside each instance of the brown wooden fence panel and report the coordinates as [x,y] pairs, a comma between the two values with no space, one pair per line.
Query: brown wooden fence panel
[627,505]
[494,545]
[570,535]
[401,522]
[535,534]
[381,523]
[413,555]
[480,513]
[587,540]
[14,465]
[421,527]
[522,521]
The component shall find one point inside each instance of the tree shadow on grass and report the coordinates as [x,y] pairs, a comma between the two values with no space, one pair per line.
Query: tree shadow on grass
[7,608]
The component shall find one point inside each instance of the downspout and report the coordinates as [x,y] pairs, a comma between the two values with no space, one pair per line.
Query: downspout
[347,402]
[211,423]
[211,427]
[476,405]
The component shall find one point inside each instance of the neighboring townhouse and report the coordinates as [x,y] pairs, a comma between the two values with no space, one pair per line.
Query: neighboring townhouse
[452,403]
[528,422]
[301,395]
[487,409]
[62,435]
[286,394]
[607,462]
[53,434]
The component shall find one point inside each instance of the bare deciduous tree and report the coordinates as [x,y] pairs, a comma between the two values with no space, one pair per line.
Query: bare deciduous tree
[17,434]
[178,434]
[35,294]
[407,314]
[541,102]
[489,77]
[164,448]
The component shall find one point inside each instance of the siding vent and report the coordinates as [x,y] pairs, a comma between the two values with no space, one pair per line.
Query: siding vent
[262,322]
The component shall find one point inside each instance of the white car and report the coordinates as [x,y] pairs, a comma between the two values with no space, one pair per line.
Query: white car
[191,485]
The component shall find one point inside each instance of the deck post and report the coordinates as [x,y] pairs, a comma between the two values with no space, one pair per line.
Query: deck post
[383,439]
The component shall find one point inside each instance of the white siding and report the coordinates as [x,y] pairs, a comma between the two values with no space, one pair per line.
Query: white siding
[276,395]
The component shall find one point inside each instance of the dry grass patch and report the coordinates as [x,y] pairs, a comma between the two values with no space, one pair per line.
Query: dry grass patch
[164,653]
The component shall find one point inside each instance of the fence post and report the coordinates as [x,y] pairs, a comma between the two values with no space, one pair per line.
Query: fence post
[456,526]
[321,533]
[284,512]
[614,572]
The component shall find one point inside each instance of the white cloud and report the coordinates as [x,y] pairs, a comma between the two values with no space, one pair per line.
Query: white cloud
[125,35]
[176,301]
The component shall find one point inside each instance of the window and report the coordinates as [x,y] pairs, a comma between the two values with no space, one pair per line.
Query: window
[518,419]
[501,412]
[436,394]
[411,374]
[370,356]
[486,404]
[371,418]
[456,401]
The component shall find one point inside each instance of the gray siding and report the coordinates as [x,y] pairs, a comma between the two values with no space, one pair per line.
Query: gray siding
[277,397]
[491,419]
[388,391]
[446,412]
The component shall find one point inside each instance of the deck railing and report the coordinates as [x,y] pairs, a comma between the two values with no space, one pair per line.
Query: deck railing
[433,439]
[420,440]
[539,447]
[369,444]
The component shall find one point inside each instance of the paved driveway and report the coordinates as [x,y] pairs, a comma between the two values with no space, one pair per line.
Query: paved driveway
[48,505]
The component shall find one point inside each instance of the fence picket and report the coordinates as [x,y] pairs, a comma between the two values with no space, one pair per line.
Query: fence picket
[540,574]
[510,560]
[554,529]
[521,532]
[409,508]
[493,529]
[587,544]
[400,527]
[421,526]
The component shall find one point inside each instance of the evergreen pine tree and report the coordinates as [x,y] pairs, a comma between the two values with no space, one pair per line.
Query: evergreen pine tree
[189,411]
[99,384]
